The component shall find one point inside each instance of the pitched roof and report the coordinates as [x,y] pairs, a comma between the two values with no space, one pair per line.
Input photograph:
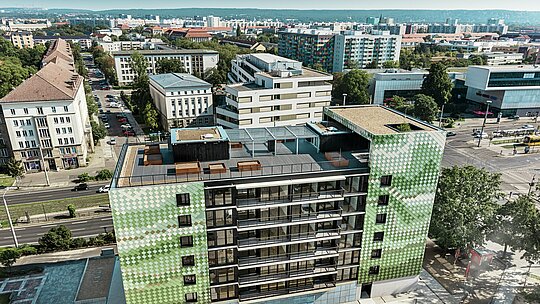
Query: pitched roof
[60,48]
[178,80]
[52,82]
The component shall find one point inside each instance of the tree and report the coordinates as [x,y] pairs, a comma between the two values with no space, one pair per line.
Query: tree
[58,238]
[12,73]
[238,31]
[84,177]
[151,116]
[390,64]
[355,84]
[465,205]
[516,224]
[170,66]
[104,174]
[98,131]
[215,77]
[9,256]
[425,108]
[15,168]
[71,210]
[91,105]
[400,104]
[372,65]
[437,84]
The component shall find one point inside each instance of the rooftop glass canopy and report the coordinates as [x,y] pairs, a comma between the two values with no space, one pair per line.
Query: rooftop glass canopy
[262,135]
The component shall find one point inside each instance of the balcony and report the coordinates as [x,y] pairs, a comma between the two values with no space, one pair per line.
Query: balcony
[320,286]
[319,253]
[290,219]
[282,239]
[257,279]
[301,198]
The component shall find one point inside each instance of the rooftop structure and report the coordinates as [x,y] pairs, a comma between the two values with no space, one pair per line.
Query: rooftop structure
[60,48]
[336,210]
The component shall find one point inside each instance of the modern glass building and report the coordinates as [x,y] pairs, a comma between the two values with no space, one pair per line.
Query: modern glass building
[512,90]
[326,212]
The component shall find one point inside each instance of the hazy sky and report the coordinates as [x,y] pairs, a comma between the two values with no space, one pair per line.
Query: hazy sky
[529,5]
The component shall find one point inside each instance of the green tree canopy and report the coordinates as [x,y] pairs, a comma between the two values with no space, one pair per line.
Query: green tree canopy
[9,256]
[170,66]
[438,84]
[58,238]
[425,108]
[151,116]
[355,84]
[15,168]
[98,131]
[400,104]
[12,74]
[465,205]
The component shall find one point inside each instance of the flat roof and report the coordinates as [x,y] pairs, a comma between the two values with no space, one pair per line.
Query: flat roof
[271,58]
[197,134]
[178,80]
[164,52]
[377,120]
[508,68]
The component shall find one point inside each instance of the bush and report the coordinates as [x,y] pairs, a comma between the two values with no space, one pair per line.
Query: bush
[104,174]
[84,177]
[71,210]
[27,250]
[9,256]
[107,238]
[58,238]
[78,243]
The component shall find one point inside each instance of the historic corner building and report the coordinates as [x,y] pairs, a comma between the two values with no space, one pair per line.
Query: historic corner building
[326,212]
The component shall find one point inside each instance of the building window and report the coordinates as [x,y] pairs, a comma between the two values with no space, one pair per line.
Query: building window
[40,110]
[383,200]
[53,109]
[18,133]
[12,111]
[373,270]
[376,253]
[182,199]
[184,221]
[188,260]
[381,218]
[25,110]
[191,297]
[65,108]
[190,279]
[378,236]
[386,180]
[186,241]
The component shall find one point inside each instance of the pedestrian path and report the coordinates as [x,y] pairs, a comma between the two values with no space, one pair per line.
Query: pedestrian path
[509,285]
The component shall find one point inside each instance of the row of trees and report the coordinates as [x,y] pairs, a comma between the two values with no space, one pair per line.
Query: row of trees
[423,56]
[141,101]
[467,212]
[105,63]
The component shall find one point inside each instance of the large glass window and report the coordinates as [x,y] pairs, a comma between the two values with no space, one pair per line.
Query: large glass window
[221,238]
[221,276]
[221,257]
[219,218]
[218,197]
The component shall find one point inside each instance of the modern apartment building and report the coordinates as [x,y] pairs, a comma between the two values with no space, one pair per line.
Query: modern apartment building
[195,61]
[47,120]
[274,91]
[182,100]
[513,90]
[22,39]
[321,213]
[358,50]
[339,50]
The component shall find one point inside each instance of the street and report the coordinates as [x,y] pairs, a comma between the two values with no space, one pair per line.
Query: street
[80,227]
[21,196]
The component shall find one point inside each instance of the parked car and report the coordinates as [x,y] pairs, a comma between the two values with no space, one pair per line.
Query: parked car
[107,125]
[481,135]
[450,134]
[112,141]
[105,87]
[527,127]
[128,133]
[515,117]
[121,115]
[104,189]
[122,120]
[80,187]
[126,126]
[109,96]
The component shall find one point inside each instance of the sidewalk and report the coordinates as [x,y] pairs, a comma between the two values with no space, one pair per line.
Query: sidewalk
[103,158]
[61,215]
[62,256]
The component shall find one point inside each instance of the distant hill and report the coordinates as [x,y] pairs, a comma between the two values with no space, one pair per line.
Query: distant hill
[465,16]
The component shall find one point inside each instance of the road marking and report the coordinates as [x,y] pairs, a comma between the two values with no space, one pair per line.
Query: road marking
[106,219]
[81,222]
[7,237]
[78,229]
[48,226]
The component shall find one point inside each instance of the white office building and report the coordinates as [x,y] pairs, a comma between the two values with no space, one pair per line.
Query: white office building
[195,61]
[182,100]
[282,93]
[512,90]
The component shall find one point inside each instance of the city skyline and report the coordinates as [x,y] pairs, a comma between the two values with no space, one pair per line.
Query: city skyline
[278,4]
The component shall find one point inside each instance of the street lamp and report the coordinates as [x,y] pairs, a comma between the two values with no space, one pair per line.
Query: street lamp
[344,98]
[9,217]
[441,117]
[488,102]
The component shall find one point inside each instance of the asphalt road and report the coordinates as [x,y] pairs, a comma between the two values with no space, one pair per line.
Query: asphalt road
[83,227]
[21,196]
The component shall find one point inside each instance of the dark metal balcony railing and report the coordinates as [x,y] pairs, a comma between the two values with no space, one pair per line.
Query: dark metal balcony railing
[293,218]
[308,236]
[295,197]
[317,253]
[260,278]
[251,295]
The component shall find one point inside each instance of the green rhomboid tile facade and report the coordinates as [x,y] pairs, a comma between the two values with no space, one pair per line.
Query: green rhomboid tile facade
[146,226]
[413,160]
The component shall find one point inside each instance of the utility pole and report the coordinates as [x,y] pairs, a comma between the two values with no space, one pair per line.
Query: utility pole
[441,117]
[9,216]
[488,102]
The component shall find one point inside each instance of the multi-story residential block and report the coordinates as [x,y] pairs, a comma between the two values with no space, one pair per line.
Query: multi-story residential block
[274,91]
[182,100]
[85,42]
[358,50]
[339,50]
[60,53]
[321,213]
[195,61]
[22,39]
[47,120]
[512,90]
[116,46]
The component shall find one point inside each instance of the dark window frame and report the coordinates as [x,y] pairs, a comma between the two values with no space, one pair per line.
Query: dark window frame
[184,220]
[383,200]
[386,180]
[190,279]
[376,237]
[374,270]
[183,199]
[381,218]
[191,297]
[376,253]
[188,260]
[188,241]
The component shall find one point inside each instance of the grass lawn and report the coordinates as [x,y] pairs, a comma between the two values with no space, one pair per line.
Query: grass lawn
[19,210]
[6,180]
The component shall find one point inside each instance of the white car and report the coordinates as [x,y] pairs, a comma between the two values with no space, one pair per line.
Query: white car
[112,141]
[126,126]
[104,189]
[107,125]
[527,127]
[483,135]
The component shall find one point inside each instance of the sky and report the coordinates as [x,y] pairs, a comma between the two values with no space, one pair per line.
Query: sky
[528,5]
